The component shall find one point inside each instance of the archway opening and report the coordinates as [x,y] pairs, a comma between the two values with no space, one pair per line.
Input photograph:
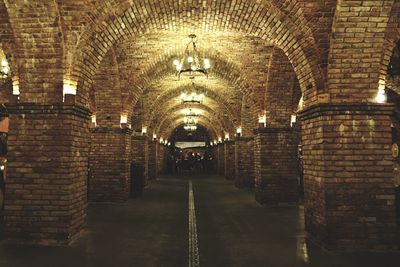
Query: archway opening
[190,151]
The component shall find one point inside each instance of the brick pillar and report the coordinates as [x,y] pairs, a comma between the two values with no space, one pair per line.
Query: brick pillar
[348,176]
[160,158]
[109,163]
[244,162]
[221,159]
[152,159]
[46,186]
[140,153]
[276,168]
[229,151]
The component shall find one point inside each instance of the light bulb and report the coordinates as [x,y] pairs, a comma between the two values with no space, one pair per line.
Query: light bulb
[176,62]
[190,59]
[179,67]
[193,68]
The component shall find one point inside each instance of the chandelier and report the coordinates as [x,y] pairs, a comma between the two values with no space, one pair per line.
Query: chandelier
[5,73]
[191,63]
[192,98]
[190,128]
[190,113]
[191,120]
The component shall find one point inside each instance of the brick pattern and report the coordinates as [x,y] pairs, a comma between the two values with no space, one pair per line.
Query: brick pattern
[152,172]
[356,50]
[280,93]
[229,165]
[276,167]
[40,59]
[221,159]
[106,93]
[140,153]
[266,16]
[161,158]
[348,176]
[45,200]
[244,162]
[109,163]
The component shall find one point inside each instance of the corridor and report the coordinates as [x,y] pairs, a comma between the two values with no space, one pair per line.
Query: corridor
[152,230]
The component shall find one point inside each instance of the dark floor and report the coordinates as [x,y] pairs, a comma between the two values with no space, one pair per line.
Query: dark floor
[233,230]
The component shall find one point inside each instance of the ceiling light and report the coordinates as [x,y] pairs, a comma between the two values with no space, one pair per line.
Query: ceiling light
[191,63]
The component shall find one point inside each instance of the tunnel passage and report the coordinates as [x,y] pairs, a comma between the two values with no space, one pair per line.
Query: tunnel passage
[93,88]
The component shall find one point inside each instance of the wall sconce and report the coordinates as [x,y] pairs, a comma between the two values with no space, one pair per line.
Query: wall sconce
[226,136]
[381,95]
[154,137]
[293,120]
[124,121]
[69,87]
[262,120]
[144,130]
[161,140]
[94,121]
[15,85]
[219,139]
[239,131]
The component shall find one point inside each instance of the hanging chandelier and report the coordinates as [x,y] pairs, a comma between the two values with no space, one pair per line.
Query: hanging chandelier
[193,96]
[191,120]
[190,128]
[191,63]
[190,113]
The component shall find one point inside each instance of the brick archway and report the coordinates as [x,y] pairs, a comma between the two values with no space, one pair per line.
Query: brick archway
[285,34]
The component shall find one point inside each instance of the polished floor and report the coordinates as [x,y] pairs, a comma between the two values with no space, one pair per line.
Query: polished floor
[232,230]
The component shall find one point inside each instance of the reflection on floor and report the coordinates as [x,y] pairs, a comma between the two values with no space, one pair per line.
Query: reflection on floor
[232,229]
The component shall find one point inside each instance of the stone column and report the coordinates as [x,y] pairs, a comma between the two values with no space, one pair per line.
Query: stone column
[244,162]
[276,168]
[348,176]
[152,144]
[140,153]
[221,159]
[109,163]
[46,186]
[229,151]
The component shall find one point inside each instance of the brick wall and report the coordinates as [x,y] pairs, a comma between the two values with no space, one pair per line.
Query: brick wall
[161,158]
[140,152]
[109,163]
[244,162]
[45,201]
[276,167]
[348,176]
[221,159]
[152,172]
[229,152]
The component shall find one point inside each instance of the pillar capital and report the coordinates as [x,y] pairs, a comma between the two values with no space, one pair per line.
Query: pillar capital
[45,109]
[346,109]
[244,138]
[266,130]
[112,130]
